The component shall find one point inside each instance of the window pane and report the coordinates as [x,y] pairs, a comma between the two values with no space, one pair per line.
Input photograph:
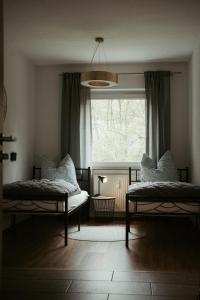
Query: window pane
[118,128]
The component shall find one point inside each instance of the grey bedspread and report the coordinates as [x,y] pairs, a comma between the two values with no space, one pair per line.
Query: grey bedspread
[165,189]
[39,189]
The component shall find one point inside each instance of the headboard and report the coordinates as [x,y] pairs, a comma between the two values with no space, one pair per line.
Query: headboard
[135,174]
[83,176]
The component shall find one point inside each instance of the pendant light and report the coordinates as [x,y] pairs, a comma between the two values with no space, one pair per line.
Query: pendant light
[99,79]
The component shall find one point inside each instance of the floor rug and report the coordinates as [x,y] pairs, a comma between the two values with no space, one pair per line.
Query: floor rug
[103,234]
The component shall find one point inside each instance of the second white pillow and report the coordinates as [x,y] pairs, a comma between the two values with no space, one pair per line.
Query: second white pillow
[165,171]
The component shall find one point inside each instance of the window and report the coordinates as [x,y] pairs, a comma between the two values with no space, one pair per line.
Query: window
[118,129]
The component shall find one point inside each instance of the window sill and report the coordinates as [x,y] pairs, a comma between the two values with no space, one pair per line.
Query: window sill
[115,165]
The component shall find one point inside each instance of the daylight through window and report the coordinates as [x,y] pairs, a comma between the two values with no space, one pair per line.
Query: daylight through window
[118,129]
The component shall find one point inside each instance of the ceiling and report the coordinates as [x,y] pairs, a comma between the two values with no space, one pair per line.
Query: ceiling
[62,31]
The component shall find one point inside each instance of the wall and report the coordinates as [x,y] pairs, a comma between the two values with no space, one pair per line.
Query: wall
[194,115]
[48,104]
[20,119]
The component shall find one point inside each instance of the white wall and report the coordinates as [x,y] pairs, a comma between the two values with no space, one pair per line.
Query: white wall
[20,120]
[48,104]
[195,115]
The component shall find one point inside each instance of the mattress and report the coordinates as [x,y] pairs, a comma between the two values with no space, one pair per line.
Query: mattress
[43,189]
[166,197]
[45,205]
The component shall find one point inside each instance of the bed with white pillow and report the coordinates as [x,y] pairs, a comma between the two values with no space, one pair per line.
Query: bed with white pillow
[160,190]
[42,196]
[55,189]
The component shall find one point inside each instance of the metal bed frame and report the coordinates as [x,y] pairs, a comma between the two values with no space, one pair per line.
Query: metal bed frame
[134,176]
[83,178]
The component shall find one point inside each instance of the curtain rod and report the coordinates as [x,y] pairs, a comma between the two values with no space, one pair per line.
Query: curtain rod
[142,73]
[137,73]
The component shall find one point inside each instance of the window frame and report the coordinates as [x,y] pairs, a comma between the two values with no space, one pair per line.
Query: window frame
[106,94]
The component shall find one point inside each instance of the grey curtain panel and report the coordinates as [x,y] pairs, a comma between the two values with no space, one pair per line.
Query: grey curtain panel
[157,89]
[76,120]
[85,128]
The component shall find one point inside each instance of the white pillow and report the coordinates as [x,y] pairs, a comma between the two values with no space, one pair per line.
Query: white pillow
[64,171]
[47,167]
[166,169]
[68,164]
[54,173]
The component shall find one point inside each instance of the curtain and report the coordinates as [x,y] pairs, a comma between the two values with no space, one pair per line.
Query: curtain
[76,120]
[157,89]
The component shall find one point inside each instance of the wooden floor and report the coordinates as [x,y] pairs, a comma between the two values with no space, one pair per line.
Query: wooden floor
[162,265]
[169,245]
[98,285]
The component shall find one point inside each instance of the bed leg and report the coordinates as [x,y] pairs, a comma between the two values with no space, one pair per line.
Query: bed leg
[66,230]
[66,219]
[127,220]
[79,219]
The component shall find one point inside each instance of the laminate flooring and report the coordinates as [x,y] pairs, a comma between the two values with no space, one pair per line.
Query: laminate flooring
[21,284]
[164,265]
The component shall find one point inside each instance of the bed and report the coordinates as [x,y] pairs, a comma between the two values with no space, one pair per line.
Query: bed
[161,198]
[43,196]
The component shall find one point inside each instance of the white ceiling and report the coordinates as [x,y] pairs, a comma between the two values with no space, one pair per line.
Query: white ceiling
[62,31]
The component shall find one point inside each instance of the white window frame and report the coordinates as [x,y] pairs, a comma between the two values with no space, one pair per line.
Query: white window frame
[116,94]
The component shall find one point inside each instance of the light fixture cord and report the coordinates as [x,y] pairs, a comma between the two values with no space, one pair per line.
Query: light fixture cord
[99,46]
[104,52]
[95,51]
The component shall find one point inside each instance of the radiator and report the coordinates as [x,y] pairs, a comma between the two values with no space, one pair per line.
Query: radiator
[117,186]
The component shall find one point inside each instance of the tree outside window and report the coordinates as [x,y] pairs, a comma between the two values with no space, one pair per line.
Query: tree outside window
[118,129]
